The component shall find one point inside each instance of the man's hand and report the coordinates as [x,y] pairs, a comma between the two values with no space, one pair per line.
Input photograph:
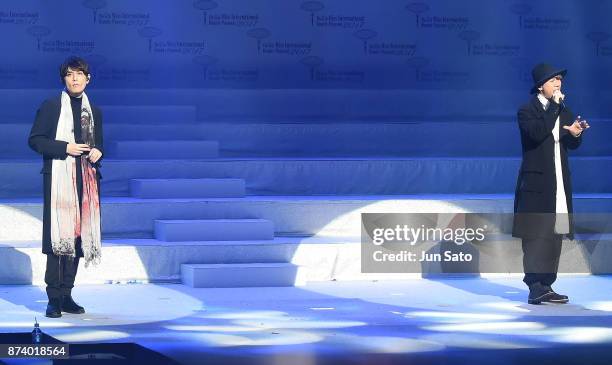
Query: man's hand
[558,96]
[75,149]
[94,155]
[577,127]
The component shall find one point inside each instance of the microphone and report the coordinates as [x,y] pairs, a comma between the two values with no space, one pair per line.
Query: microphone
[561,100]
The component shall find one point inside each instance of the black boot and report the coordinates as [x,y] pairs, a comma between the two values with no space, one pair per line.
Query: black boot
[69,306]
[539,293]
[54,309]
[556,297]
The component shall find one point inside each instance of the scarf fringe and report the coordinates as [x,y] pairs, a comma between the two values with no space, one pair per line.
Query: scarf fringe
[64,247]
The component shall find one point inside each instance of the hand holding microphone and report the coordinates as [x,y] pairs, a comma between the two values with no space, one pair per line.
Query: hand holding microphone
[558,97]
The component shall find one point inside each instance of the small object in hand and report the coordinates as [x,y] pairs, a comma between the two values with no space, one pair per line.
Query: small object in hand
[583,124]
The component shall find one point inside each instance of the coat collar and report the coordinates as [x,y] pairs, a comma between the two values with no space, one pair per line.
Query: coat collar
[537,105]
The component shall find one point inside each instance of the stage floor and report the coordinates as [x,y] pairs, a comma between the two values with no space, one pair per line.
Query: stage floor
[420,321]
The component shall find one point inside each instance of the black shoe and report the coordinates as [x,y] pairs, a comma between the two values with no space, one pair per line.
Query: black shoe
[69,306]
[557,298]
[53,309]
[538,293]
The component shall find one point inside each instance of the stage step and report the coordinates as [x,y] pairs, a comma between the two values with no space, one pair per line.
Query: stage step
[14,136]
[148,114]
[292,215]
[238,275]
[322,176]
[214,230]
[328,139]
[340,104]
[173,149]
[187,188]
[317,258]
[409,137]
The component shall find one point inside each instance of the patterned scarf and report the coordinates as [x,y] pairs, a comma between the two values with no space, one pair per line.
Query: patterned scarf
[68,222]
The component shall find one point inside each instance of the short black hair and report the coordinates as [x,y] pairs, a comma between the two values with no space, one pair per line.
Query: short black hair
[75,63]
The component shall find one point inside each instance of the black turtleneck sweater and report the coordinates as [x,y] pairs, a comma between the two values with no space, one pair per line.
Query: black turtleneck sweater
[76,104]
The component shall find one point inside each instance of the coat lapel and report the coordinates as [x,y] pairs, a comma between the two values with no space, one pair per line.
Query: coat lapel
[537,106]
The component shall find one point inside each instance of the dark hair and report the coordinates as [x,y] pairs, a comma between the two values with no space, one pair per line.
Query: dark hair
[75,63]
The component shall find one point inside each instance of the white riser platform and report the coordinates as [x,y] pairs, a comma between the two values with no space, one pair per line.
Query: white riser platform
[214,230]
[238,275]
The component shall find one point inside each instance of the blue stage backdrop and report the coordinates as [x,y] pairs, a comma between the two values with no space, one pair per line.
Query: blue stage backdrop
[323,44]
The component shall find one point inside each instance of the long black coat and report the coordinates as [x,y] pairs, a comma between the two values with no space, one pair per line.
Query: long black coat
[42,140]
[535,195]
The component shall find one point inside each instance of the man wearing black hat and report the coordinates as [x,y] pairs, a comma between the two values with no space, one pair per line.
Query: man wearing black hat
[543,196]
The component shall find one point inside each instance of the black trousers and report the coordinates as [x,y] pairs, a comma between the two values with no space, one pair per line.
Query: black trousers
[541,259]
[60,274]
[61,270]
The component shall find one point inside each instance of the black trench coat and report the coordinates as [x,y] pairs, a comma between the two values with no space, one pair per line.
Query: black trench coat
[42,140]
[535,194]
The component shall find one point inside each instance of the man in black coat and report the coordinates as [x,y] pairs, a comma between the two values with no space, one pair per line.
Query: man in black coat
[61,269]
[543,197]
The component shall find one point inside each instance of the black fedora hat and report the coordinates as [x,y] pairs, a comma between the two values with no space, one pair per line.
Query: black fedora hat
[542,73]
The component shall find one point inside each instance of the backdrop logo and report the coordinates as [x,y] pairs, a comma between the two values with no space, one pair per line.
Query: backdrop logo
[68,46]
[259,34]
[520,9]
[228,75]
[224,74]
[94,6]
[286,48]
[496,49]
[124,18]
[225,19]
[318,74]
[122,75]
[312,7]
[234,20]
[95,62]
[341,21]
[17,17]
[312,62]
[417,9]
[38,32]
[428,75]
[365,35]
[179,47]
[205,61]
[392,49]
[205,6]
[150,33]
[337,21]
[445,22]
[383,48]
[537,22]
[598,38]
[521,65]
[418,63]
[469,36]
[436,22]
